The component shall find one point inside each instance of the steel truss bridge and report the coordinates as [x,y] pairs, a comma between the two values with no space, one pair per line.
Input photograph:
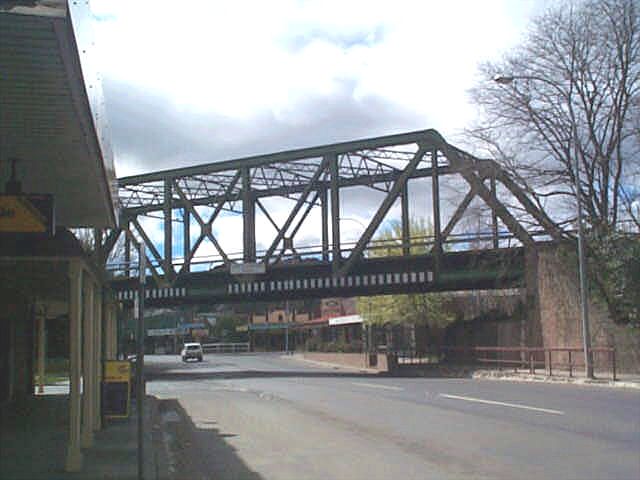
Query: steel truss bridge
[315,178]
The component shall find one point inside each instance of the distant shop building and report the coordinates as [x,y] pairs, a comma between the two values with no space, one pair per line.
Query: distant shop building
[331,320]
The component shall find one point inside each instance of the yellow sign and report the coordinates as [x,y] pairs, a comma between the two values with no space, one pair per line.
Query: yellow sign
[117,371]
[25,214]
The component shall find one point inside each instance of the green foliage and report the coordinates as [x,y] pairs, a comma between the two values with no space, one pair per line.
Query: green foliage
[225,328]
[415,308]
[614,264]
[315,344]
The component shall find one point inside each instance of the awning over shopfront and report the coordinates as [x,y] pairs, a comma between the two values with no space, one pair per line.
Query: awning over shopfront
[261,327]
[346,320]
[53,121]
[52,116]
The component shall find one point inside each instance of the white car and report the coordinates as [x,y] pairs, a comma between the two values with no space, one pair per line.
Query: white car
[191,350]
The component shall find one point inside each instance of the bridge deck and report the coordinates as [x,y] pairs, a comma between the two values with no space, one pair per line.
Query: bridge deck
[487,269]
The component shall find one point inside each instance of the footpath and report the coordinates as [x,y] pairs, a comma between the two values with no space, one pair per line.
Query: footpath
[623,380]
[603,379]
[34,436]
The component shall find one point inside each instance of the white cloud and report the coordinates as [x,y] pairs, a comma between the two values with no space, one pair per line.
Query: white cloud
[200,81]
[240,59]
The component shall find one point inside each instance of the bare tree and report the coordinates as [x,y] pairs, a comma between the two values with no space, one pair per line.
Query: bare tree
[571,89]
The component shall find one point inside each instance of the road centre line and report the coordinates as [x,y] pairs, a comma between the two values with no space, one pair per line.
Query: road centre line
[503,404]
[373,385]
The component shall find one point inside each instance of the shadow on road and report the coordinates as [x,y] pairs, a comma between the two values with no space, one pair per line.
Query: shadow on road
[201,374]
[202,452]
[208,371]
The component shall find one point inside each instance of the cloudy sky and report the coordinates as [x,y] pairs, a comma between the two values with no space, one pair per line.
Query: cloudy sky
[199,81]
[202,81]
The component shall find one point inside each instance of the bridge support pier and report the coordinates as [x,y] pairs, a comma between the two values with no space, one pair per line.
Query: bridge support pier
[531,328]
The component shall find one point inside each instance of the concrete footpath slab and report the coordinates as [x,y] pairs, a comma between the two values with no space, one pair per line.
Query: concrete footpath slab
[34,437]
[335,366]
[623,381]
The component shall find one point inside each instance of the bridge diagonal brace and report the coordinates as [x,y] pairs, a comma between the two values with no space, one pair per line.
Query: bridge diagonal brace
[169,272]
[457,215]
[296,209]
[205,228]
[227,192]
[109,243]
[154,272]
[476,183]
[398,187]
[266,213]
[305,214]
[501,211]
[543,219]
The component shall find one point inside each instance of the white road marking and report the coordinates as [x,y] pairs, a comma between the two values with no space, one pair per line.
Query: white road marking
[373,385]
[502,404]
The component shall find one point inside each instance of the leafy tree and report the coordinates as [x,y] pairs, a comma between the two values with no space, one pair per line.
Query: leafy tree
[225,328]
[427,309]
[570,93]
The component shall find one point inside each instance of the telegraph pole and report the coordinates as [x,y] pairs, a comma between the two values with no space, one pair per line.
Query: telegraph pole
[286,327]
[140,390]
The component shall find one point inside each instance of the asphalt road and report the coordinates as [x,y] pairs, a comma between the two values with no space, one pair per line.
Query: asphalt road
[264,416]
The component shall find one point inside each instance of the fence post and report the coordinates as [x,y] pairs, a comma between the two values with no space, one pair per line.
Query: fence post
[613,363]
[550,369]
[532,368]
[570,366]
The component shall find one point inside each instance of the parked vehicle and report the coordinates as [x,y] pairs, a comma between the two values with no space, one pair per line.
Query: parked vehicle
[191,350]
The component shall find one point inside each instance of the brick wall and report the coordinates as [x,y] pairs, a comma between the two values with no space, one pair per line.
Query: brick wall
[558,290]
[356,360]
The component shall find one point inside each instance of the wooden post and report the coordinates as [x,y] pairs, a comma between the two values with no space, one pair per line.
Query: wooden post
[88,366]
[74,455]
[41,319]
[97,357]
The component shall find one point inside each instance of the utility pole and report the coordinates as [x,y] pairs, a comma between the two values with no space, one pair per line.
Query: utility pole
[584,306]
[140,390]
[286,327]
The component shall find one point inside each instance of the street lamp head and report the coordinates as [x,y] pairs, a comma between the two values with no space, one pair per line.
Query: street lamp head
[503,79]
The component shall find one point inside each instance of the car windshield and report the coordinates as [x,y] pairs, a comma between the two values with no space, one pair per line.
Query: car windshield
[193,347]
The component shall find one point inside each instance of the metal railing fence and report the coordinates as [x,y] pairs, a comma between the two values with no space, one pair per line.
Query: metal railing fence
[552,359]
[223,347]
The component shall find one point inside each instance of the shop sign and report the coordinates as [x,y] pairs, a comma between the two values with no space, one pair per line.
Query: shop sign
[26,214]
[160,332]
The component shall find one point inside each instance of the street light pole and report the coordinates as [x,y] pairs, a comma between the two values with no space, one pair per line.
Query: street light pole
[286,327]
[140,390]
[584,307]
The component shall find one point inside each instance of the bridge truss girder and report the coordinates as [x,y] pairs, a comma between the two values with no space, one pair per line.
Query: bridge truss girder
[312,177]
